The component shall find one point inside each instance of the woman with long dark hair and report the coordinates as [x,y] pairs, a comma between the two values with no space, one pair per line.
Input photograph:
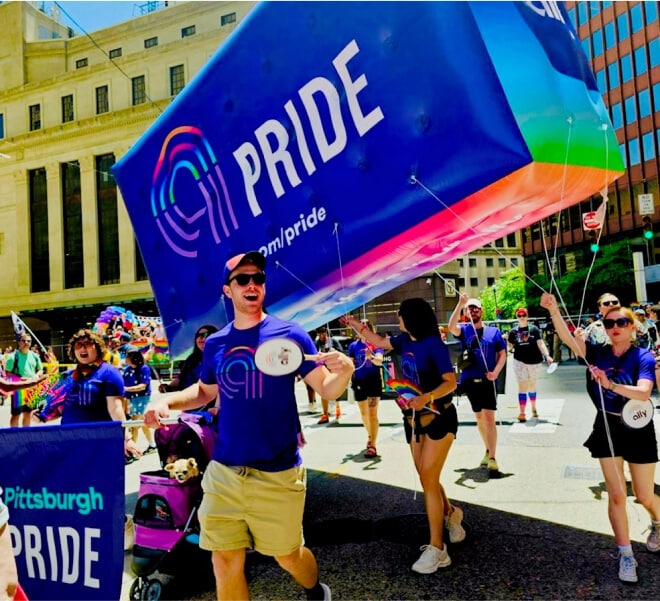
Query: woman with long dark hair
[430,420]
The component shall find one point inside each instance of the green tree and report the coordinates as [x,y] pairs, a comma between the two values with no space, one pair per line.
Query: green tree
[509,290]
[611,272]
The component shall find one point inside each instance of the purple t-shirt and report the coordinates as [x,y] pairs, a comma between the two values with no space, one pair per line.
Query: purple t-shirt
[364,368]
[635,364]
[423,362]
[482,344]
[86,400]
[258,420]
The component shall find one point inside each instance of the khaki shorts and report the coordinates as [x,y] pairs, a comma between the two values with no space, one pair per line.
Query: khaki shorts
[525,371]
[247,508]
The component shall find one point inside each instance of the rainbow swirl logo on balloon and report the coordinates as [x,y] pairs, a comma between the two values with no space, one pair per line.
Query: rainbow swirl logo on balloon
[187,163]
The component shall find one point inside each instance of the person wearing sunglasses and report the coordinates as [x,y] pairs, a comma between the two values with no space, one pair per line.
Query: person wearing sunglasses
[529,350]
[617,372]
[485,349]
[192,365]
[595,332]
[26,364]
[254,486]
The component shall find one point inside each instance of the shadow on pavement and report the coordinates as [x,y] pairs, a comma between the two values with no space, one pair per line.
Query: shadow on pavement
[366,536]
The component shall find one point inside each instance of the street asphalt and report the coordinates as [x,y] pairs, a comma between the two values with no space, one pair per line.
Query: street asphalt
[537,531]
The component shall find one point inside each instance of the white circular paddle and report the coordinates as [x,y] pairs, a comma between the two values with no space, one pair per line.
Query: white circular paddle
[552,368]
[280,357]
[637,414]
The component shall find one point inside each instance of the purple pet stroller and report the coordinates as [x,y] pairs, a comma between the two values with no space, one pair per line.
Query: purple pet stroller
[166,525]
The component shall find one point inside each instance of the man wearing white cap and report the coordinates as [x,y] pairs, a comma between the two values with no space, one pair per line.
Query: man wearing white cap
[484,349]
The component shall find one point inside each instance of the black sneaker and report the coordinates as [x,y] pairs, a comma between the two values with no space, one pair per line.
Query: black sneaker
[131,459]
[152,448]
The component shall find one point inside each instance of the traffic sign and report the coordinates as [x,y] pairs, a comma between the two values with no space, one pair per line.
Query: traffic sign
[590,221]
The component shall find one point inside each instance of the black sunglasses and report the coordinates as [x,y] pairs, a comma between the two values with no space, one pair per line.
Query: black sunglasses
[607,303]
[243,279]
[622,322]
[202,334]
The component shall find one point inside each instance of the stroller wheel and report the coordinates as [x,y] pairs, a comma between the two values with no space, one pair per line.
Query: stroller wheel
[135,594]
[152,591]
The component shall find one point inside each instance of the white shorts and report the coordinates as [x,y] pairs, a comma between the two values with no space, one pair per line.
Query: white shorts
[525,371]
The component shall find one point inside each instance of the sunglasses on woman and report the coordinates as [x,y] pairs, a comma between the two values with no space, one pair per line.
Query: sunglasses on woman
[243,279]
[203,334]
[609,303]
[622,322]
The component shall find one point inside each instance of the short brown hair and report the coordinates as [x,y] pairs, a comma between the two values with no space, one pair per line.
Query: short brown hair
[82,335]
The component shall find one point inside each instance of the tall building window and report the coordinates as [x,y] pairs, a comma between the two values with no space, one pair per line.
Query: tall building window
[39,255]
[2,126]
[613,74]
[633,152]
[115,53]
[474,282]
[656,97]
[640,60]
[81,62]
[102,100]
[140,269]
[626,68]
[67,108]
[651,10]
[35,117]
[654,52]
[636,18]
[501,262]
[489,262]
[583,15]
[622,152]
[74,269]
[601,82]
[228,19]
[586,46]
[644,98]
[630,110]
[188,31]
[617,115]
[472,262]
[151,42]
[139,90]
[622,26]
[177,79]
[610,35]
[597,38]
[511,240]
[108,221]
[648,146]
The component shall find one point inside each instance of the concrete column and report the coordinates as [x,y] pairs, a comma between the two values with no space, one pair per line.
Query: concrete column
[126,233]
[55,234]
[89,221]
[22,195]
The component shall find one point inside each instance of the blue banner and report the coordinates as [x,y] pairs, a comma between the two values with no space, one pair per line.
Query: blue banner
[382,140]
[64,487]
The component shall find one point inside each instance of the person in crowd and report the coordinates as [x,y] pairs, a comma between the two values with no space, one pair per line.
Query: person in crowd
[324,344]
[430,419]
[644,327]
[529,349]
[137,386]
[595,333]
[125,346]
[485,352]
[192,365]
[111,354]
[23,363]
[619,371]
[367,384]
[258,430]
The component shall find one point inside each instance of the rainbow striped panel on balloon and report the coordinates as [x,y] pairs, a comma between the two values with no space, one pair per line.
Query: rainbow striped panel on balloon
[359,145]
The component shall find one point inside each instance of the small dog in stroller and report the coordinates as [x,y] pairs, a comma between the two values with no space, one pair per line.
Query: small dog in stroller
[166,525]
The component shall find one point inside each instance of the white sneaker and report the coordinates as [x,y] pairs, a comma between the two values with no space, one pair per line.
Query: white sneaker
[454,527]
[627,568]
[327,594]
[431,559]
[129,533]
[653,539]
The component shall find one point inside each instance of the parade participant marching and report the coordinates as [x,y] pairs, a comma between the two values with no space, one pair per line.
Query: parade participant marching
[619,371]
[367,384]
[254,488]
[486,358]
[25,364]
[529,349]
[430,419]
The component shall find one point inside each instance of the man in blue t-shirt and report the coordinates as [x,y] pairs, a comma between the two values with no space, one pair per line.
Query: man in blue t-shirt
[254,488]
[484,352]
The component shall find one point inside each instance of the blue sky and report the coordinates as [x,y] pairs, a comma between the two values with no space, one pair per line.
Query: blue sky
[92,15]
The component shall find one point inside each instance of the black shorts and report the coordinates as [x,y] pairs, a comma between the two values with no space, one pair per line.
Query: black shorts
[438,428]
[634,445]
[364,388]
[480,392]
[20,409]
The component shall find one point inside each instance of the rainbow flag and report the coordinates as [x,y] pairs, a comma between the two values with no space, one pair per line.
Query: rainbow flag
[36,395]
